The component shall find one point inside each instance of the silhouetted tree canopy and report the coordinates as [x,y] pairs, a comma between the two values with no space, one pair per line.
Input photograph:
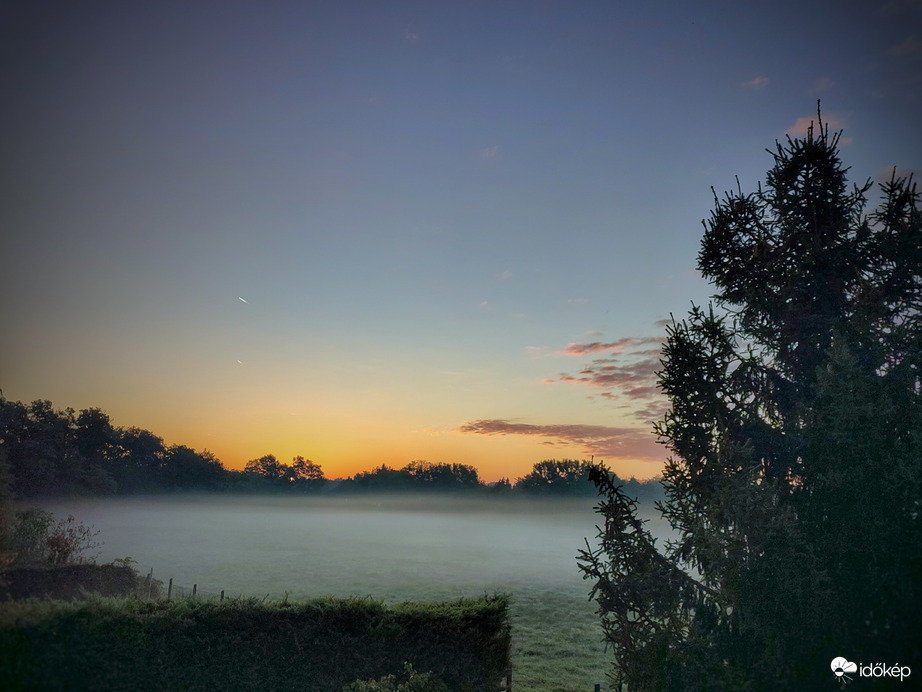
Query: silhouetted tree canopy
[417,475]
[557,477]
[53,452]
[795,431]
[269,474]
[48,452]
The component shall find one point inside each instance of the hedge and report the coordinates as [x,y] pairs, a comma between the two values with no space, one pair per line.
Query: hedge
[244,644]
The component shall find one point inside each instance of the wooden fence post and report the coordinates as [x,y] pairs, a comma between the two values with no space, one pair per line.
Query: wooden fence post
[509,678]
[150,582]
[169,591]
[598,687]
[194,589]
[222,595]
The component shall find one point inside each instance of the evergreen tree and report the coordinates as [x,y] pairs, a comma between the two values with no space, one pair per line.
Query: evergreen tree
[795,431]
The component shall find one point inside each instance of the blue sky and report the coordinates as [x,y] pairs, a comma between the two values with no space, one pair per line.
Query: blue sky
[371,232]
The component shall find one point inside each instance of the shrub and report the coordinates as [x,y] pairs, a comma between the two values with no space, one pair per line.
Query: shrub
[415,682]
[39,540]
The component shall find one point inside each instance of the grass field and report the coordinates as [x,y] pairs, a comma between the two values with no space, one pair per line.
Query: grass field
[556,643]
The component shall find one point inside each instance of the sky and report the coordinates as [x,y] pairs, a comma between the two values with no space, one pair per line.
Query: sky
[374,232]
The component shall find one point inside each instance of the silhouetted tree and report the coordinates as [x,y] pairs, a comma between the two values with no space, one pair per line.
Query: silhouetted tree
[381,479]
[97,445]
[557,477]
[445,477]
[53,452]
[500,487]
[183,468]
[136,466]
[268,473]
[795,433]
[415,476]
[304,474]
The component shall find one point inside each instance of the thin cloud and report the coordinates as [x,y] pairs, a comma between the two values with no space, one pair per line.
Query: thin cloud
[758,83]
[489,152]
[608,374]
[627,373]
[911,45]
[595,440]
[619,346]
[821,85]
[884,175]
[410,36]
[835,121]
[536,351]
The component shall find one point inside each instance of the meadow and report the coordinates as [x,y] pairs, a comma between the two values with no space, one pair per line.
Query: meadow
[390,548]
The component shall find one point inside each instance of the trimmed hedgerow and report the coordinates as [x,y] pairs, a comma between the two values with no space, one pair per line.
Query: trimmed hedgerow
[244,644]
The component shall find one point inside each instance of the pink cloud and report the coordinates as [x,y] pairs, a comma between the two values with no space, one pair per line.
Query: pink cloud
[628,372]
[596,440]
[757,83]
[835,122]
[823,84]
[615,346]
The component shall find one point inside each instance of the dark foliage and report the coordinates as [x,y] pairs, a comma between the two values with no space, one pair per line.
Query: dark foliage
[53,452]
[795,478]
[37,539]
[69,582]
[267,474]
[415,476]
[557,477]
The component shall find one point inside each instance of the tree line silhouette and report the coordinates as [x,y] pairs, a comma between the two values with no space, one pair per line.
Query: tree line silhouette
[48,452]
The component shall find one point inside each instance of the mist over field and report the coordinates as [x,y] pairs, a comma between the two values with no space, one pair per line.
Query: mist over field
[388,547]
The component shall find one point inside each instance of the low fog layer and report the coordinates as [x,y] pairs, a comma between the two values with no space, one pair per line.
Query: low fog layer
[391,547]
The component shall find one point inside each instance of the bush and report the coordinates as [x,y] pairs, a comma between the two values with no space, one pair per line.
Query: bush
[38,540]
[416,682]
[70,581]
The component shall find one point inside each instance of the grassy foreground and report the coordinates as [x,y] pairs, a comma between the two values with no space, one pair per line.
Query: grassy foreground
[246,644]
[556,642]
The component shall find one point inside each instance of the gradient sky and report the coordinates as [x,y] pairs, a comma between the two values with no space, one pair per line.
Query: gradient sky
[373,232]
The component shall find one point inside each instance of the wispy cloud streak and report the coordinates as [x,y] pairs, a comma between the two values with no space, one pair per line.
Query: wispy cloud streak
[618,346]
[628,372]
[758,83]
[596,440]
